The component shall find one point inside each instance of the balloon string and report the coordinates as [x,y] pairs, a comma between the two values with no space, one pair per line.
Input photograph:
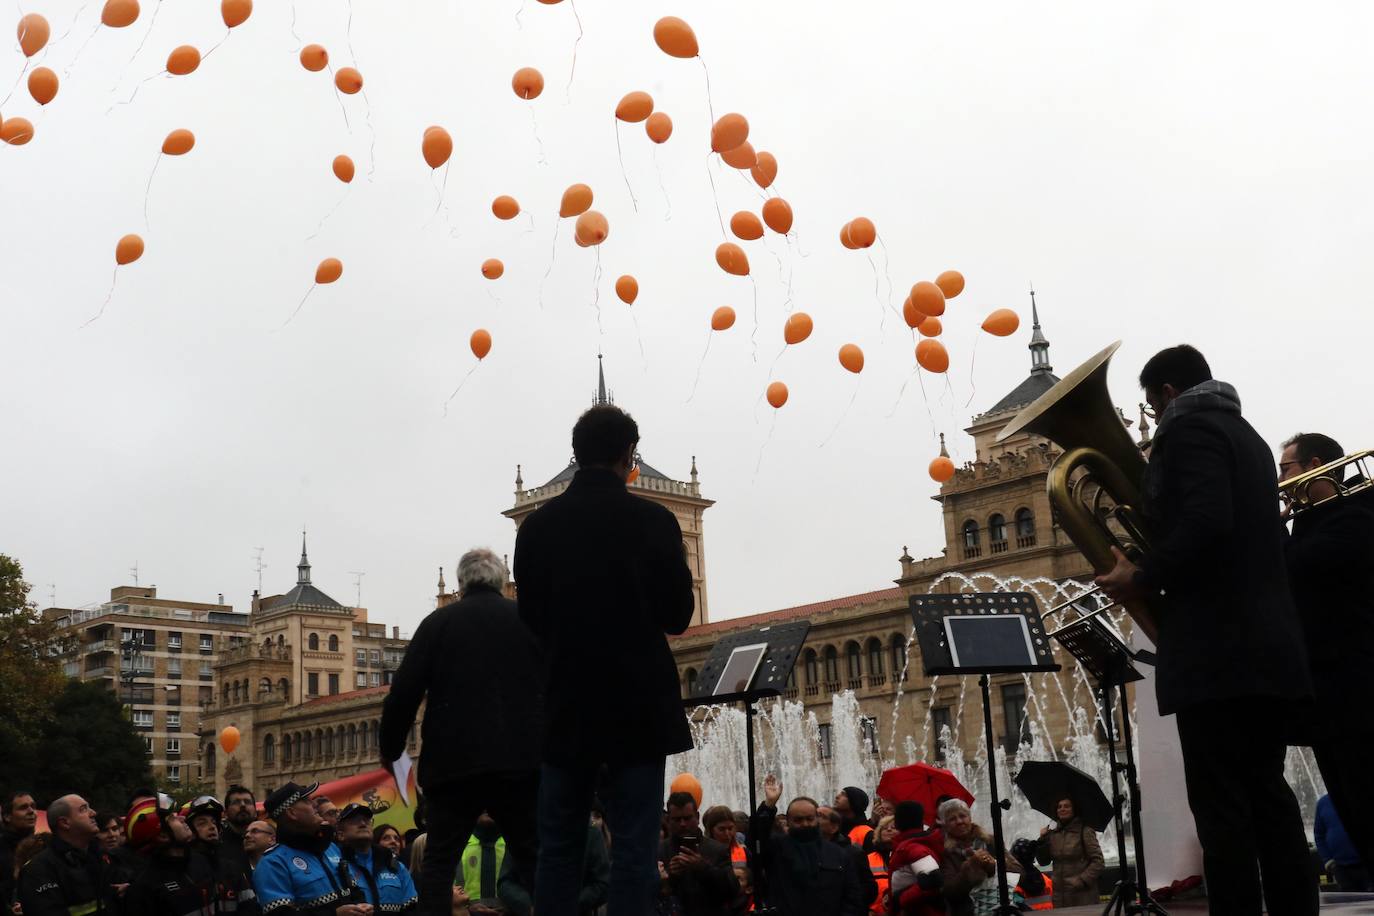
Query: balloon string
[623,174]
[714,195]
[108,296]
[216,45]
[754,334]
[348,33]
[666,199]
[438,192]
[534,124]
[149,190]
[642,358]
[596,290]
[973,362]
[300,306]
[325,218]
[857,382]
[704,354]
[529,216]
[771,426]
[130,99]
[520,9]
[338,95]
[60,38]
[493,297]
[788,301]
[553,253]
[300,42]
[460,386]
[146,32]
[79,51]
[877,295]
[887,272]
[920,379]
[900,394]
[572,71]
[17,80]
[371,132]
[710,106]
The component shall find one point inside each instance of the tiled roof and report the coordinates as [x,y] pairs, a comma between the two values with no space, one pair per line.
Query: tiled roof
[351,695]
[791,613]
[1034,385]
[306,594]
[567,473]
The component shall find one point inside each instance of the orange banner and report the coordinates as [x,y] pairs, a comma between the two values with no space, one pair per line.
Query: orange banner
[377,790]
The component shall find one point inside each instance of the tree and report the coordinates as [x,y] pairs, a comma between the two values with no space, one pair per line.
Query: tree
[91,748]
[30,678]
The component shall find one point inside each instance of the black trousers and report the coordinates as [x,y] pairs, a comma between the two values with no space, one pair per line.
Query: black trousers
[450,814]
[1254,845]
[1344,764]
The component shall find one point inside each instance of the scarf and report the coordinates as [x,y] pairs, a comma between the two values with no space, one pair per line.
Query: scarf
[1208,395]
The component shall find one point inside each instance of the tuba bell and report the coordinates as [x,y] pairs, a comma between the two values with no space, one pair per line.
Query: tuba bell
[1095,485]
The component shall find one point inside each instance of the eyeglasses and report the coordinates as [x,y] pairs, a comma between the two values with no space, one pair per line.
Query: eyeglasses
[261,830]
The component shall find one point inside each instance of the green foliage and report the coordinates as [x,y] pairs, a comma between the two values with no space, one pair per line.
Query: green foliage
[30,679]
[184,791]
[90,748]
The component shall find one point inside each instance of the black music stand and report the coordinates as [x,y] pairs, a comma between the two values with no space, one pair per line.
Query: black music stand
[984,633]
[1102,651]
[767,677]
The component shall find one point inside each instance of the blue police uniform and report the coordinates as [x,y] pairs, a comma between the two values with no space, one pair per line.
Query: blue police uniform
[296,880]
[383,880]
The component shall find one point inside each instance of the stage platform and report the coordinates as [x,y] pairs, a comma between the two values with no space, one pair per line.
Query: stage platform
[1331,903]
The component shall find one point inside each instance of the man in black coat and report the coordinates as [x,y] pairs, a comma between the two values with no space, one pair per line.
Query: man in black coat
[799,872]
[73,875]
[480,670]
[1230,663]
[1330,554]
[601,577]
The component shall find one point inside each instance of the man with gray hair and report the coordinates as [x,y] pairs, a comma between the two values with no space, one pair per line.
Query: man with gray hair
[479,670]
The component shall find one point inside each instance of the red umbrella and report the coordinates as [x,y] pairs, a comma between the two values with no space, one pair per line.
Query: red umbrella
[921,782]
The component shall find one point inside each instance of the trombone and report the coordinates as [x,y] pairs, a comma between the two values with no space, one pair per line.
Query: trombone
[1296,492]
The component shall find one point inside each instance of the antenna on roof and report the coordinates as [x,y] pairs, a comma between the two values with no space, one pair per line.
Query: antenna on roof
[134,570]
[358,585]
[52,594]
[259,566]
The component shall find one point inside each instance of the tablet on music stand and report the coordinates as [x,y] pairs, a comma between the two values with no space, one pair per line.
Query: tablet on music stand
[739,671]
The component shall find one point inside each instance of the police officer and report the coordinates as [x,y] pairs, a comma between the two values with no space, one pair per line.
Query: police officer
[376,870]
[304,873]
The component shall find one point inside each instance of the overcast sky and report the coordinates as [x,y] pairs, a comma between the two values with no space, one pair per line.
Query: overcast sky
[1161,172]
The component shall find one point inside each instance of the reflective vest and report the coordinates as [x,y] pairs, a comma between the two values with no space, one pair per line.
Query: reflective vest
[739,859]
[879,869]
[1043,901]
[859,834]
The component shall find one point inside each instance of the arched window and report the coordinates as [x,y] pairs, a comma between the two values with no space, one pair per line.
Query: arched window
[832,665]
[265,687]
[307,749]
[853,661]
[971,539]
[281,640]
[997,533]
[898,650]
[691,677]
[353,739]
[333,642]
[236,691]
[267,643]
[285,749]
[314,642]
[812,672]
[1025,528]
[225,701]
[284,687]
[362,735]
[321,743]
[875,657]
[269,751]
[376,734]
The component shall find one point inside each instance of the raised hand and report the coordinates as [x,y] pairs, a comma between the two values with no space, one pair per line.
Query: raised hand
[772,790]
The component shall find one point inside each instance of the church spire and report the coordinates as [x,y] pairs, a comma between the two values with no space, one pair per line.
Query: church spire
[603,397]
[1039,346]
[303,567]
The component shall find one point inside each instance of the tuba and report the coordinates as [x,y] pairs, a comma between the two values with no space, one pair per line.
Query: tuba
[1095,485]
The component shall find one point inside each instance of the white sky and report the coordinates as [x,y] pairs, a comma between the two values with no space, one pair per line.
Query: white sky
[1162,172]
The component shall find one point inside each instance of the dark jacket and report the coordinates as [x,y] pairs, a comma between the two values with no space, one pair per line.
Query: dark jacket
[602,576]
[803,879]
[708,890]
[596,880]
[65,881]
[1076,854]
[9,844]
[481,672]
[173,886]
[1330,556]
[233,880]
[1227,625]
[868,882]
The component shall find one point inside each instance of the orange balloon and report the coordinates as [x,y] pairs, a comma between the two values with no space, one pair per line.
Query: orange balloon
[33,34]
[348,80]
[632,476]
[745,225]
[932,355]
[777,394]
[852,358]
[43,85]
[635,107]
[314,58]
[686,782]
[436,146]
[1002,323]
[183,60]
[659,127]
[16,131]
[765,170]
[229,739]
[492,268]
[675,38]
[862,232]
[741,157]
[732,259]
[927,298]
[505,207]
[527,83]
[912,316]
[797,328]
[930,326]
[235,12]
[128,249]
[592,228]
[576,200]
[777,213]
[480,342]
[178,142]
[627,288]
[723,318]
[845,239]
[330,269]
[941,469]
[951,283]
[119,13]
[728,132]
[343,168]
[581,242]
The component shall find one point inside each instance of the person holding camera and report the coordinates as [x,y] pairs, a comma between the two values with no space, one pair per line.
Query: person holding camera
[700,880]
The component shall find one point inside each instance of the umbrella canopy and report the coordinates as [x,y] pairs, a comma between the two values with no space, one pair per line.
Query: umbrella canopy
[921,782]
[1045,782]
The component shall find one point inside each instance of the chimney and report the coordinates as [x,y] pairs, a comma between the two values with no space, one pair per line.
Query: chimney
[395,632]
[221,597]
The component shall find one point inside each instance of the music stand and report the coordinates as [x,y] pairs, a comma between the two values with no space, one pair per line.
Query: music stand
[1102,651]
[766,675]
[984,633]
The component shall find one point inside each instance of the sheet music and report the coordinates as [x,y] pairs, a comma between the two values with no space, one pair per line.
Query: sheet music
[400,771]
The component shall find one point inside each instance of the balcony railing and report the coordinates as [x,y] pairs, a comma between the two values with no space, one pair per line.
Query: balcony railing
[101,646]
[998,546]
[971,553]
[832,687]
[855,683]
[100,671]
[790,693]
[813,690]
[1025,540]
[877,680]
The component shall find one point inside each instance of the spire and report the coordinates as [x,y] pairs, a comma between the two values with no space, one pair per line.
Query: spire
[443,588]
[944,452]
[303,567]
[694,469]
[1039,346]
[519,481]
[603,397]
